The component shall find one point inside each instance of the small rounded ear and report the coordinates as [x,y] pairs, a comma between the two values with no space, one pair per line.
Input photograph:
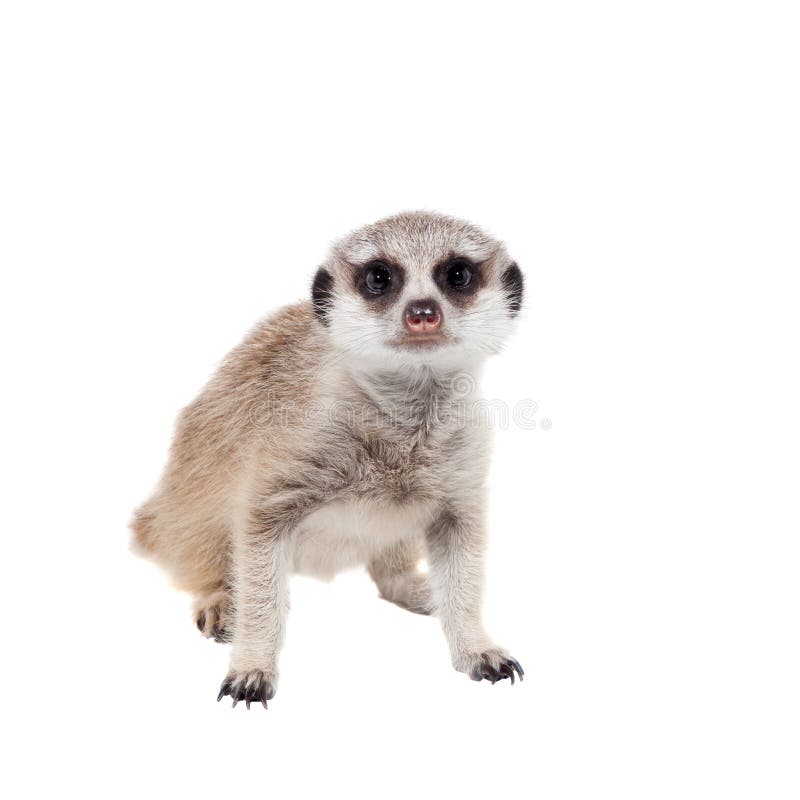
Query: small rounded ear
[512,285]
[322,294]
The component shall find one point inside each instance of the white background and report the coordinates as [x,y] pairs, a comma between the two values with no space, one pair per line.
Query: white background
[172,171]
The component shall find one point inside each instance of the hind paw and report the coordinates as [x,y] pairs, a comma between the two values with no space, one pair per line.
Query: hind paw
[212,615]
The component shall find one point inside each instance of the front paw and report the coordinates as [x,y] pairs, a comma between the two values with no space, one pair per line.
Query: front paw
[247,686]
[493,665]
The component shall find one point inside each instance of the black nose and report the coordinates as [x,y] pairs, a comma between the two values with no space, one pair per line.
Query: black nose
[423,316]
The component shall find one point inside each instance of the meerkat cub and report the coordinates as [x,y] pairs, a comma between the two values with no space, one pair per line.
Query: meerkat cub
[341,432]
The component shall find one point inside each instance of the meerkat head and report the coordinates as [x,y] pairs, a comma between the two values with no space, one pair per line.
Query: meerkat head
[418,289]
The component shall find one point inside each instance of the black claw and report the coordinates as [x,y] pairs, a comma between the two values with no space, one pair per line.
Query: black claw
[253,687]
[506,671]
[224,689]
[488,673]
[201,622]
[219,634]
[516,665]
[252,693]
[237,692]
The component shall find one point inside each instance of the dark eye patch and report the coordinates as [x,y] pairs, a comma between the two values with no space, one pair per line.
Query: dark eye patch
[379,282]
[458,278]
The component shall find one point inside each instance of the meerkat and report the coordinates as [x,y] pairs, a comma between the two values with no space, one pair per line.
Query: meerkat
[341,432]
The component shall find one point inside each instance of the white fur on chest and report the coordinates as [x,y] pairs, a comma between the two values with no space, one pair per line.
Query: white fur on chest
[344,534]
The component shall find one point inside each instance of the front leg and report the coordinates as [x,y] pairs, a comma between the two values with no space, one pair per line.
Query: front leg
[456,549]
[261,569]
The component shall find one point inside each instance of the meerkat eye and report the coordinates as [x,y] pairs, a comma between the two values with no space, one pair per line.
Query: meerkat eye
[378,277]
[459,274]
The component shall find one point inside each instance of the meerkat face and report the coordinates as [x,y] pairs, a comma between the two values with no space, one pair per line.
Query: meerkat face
[418,289]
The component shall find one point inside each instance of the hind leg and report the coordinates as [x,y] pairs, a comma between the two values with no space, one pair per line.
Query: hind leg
[399,580]
[194,551]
